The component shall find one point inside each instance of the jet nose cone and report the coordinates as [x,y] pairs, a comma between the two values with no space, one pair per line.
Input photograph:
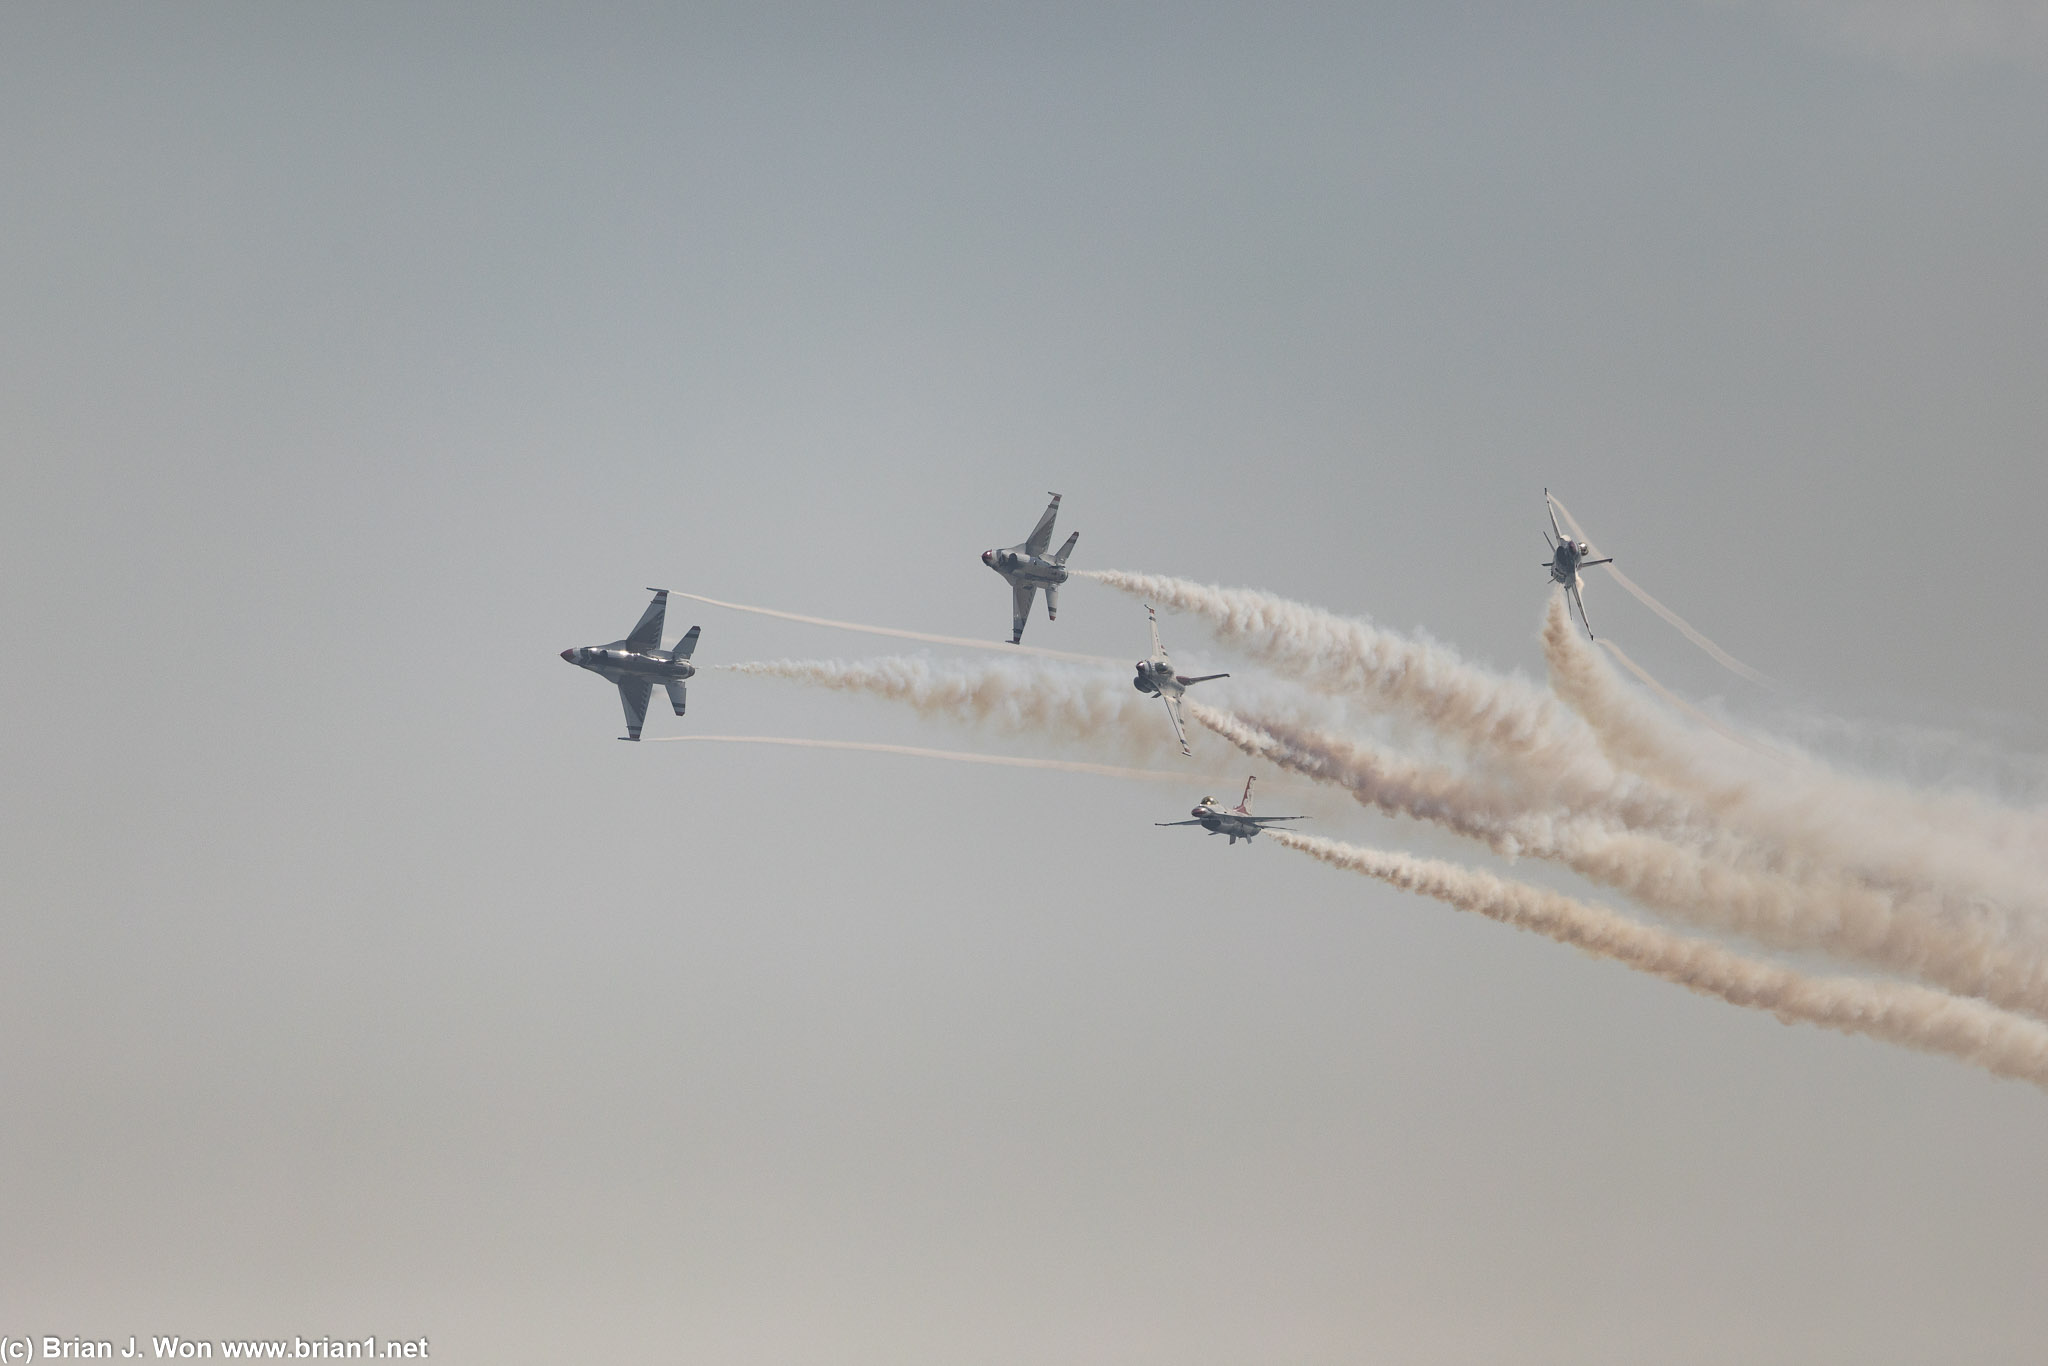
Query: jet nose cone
[568,655]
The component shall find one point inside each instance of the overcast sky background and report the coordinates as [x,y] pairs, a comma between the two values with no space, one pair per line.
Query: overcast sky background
[358,359]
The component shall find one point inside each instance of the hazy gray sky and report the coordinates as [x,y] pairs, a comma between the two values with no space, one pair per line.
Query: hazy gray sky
[359,359]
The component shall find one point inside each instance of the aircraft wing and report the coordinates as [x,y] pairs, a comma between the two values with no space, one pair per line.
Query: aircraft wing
[1556,535]
[633,693]
[1158,650]
[647,634]
[1166,823]
[1573,589]
[1173,715]
[1263,821]
[1040,539]
[1021,595]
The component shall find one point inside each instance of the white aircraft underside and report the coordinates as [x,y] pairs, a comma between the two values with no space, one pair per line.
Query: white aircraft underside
[1156,676]
[1567,558]
[1237,822]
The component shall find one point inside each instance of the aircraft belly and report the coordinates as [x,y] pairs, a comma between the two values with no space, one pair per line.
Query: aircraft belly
[651,668]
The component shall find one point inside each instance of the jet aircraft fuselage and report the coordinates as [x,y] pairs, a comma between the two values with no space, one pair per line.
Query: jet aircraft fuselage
[1567,558]
[637,663]
[1237,822]
[1028,569]
[1156,676]
[1565,561]
[614,663]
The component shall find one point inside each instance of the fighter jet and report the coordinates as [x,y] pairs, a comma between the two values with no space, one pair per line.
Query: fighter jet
[1156,676]
[1026,567]
[638,662]
[1567,558]
[1238,822]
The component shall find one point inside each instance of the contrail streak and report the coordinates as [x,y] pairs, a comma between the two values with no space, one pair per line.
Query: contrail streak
[1721,656]
[1003,647]
[1152,775]
[1490,711]
[1894,1012]
[1706,886]
[1680,704]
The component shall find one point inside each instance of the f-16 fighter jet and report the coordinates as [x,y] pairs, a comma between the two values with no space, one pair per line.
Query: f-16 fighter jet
[638,662]
[1156,676]
[1238,822]
[1567,558]
[1028,569]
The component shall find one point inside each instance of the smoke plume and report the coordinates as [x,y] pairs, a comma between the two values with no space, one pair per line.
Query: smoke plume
[1709,884]
[1899,1013]
[1958,852]
[1427,682]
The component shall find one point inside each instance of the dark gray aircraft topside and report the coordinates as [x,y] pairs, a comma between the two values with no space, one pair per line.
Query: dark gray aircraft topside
[638,662]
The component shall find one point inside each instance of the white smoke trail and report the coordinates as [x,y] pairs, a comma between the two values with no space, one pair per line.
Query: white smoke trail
[1894,1012]
[1721,656]
[2015,831]
[1505,817]
[1707,884]
[963,642]
[1151,775]
[1960,891]
[1011,696]
[1493,713]
[1952,853]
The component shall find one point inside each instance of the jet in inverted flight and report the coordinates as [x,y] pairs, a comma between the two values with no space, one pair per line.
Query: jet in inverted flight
[638,662]
[1567,558]
[1238,822]
[1029,569]
[1156,676]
